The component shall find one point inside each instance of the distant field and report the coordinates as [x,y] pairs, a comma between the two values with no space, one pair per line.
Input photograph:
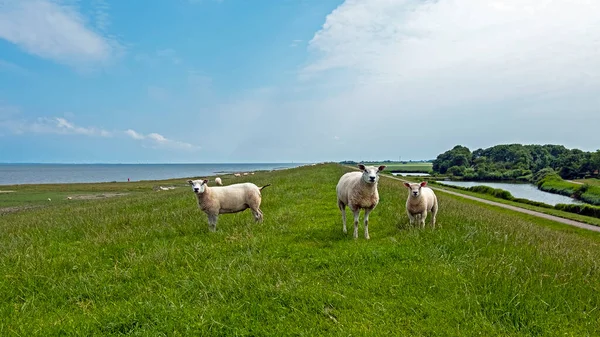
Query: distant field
[145,264]
[593,181]
[408,167]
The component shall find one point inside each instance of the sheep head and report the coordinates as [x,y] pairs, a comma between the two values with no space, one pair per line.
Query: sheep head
[198,186]
[370,173]
[415,188]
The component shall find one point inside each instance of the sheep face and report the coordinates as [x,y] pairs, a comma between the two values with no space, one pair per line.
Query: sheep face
[198,186]
[415,188]
[370,173]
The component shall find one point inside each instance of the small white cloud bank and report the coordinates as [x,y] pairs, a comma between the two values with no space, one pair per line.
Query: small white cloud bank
[61,126]
[156,140]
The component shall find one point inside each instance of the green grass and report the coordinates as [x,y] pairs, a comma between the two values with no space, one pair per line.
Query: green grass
[408,167]
[591,181]
[145,264]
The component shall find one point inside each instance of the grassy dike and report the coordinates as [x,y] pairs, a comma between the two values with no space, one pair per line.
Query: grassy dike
[145,264]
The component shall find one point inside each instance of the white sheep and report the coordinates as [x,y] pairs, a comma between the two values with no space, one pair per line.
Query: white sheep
[237,175]
[227,199]
[218,181]
[421,199]
[358,190]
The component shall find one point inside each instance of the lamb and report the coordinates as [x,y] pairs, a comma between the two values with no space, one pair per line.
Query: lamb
[421,199]
[358,190]
[227,199]
[218,181]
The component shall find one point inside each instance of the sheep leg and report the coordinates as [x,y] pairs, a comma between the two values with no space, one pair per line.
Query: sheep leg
[258,215]
[367,211]
[423,217]
[356,215]
[342,207]
[411,219]
[433,215]
[212,222]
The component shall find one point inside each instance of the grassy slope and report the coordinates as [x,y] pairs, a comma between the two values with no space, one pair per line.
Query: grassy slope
[591,181]
[146,264]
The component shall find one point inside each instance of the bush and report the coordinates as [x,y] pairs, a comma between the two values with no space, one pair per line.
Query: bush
[580,209]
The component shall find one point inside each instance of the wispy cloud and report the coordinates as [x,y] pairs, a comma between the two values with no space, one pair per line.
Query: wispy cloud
[57,31]
[61,126]
[100,14]
[159,141]
[295,43]
[58,125]
[159,56]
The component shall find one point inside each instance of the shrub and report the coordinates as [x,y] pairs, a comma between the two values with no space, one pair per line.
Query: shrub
[580,209]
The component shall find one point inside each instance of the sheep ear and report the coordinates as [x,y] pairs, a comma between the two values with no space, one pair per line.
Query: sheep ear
[190,182]
[407,185]
[205,181]
[361,166]
[381,167]
[423,183]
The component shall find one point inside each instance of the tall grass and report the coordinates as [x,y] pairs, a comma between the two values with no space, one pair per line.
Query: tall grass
[145,264]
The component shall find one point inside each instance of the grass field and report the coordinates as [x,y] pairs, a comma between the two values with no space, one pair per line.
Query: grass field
[408,167]
[145,264]
[591,181]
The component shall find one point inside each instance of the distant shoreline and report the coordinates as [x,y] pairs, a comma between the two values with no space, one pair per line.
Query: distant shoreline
[25,174]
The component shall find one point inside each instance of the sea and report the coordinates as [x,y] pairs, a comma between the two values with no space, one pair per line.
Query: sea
[16,174]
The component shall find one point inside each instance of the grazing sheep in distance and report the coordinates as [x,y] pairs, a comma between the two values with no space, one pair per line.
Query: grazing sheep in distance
[227,199]
[421,199]
[218,181]
[237,175]
[358,190]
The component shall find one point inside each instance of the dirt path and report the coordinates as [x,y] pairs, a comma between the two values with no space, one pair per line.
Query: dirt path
[514,208]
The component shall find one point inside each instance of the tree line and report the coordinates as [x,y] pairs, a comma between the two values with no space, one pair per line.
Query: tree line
[517,162]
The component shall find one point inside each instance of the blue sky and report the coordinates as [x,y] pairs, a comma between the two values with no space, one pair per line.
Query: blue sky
[293,80]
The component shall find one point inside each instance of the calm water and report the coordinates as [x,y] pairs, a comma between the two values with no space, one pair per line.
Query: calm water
[526,191]
[85,173]
[410,174]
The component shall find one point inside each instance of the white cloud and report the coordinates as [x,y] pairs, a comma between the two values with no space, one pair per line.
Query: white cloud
[61,126]
[58,125]
[133,134]
[156,140]
[295,43]
[464,71]
[462,45]
[56,31]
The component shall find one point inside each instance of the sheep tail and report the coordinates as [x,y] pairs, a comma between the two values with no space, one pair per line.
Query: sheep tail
[260,188]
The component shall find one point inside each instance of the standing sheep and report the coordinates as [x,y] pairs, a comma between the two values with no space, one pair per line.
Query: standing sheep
[421,199]
[227,199]
[218,181]
[358,190]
